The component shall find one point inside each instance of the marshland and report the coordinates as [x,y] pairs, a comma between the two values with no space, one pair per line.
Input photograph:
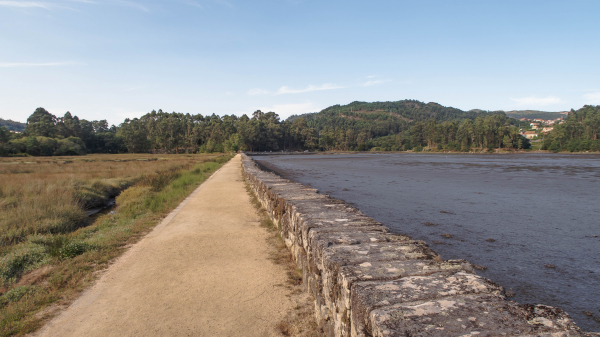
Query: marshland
[50,249]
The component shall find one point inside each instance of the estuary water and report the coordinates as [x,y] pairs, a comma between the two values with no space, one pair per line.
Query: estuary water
[532,219]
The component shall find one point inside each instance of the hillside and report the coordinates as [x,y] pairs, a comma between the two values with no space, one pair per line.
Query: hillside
[356,126]
[533,114]
[11,125]
[407,109]
[580,132]
[386,115]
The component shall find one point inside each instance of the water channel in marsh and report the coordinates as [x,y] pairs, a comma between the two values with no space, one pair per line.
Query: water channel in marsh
[532,219]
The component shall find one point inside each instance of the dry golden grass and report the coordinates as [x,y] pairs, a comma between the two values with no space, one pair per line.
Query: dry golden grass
[50,250]
[40,195]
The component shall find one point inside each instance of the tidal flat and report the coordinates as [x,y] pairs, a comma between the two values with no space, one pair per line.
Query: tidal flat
[529,221]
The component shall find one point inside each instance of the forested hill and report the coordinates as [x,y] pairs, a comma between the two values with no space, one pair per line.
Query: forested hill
[406,110]
[367,122]
[358,126]
[533,114]
[579,132]
[11,125]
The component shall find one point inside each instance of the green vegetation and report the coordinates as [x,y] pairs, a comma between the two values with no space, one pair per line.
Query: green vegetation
[48,135]
[482,133]
[578,133]
[412,125]
[533,114]
[11,125]
[50,249]
[358,126]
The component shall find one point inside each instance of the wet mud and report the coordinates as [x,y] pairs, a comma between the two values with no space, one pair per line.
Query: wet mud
[511,215]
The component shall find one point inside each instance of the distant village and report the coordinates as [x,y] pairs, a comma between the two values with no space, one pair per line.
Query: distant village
[539,126]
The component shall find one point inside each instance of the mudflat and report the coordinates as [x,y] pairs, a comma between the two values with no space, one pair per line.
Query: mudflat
[512,213]
[204,271]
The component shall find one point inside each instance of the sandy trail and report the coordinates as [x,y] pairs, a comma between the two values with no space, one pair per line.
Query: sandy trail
[204,271]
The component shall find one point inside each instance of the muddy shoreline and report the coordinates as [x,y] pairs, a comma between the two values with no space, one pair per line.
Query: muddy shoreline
[479,211]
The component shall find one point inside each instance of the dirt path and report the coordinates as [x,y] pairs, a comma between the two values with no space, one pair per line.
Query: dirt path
[204,271]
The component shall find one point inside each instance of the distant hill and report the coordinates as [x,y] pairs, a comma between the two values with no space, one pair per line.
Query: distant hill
[533,114]
[407,110]
[378,119]
[12,125]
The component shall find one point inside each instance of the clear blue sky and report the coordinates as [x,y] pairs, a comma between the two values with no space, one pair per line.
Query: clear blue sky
[112,59]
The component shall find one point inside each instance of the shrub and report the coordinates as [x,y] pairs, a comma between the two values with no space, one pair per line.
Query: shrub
[131,201]
[74,248]
[52,244]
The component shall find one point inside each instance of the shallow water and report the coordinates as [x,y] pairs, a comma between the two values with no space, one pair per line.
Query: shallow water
[106,208]
[540,209]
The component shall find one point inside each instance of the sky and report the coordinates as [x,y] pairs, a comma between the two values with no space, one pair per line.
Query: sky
[117,59]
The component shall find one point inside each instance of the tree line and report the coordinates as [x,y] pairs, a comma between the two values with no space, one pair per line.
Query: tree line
[489,132]
[11,125]
[158,132]
[579,132]
[358,126]
[46,135]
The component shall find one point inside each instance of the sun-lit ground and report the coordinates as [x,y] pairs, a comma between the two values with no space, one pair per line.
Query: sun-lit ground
[50,248]
[48,194]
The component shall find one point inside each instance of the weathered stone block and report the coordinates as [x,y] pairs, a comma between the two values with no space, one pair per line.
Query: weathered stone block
[336,256]
[367,296]
[322,238]
[470,315]
[333,258]
[350,277]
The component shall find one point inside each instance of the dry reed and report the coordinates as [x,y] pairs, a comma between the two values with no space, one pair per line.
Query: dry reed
[49,195]
[50,250]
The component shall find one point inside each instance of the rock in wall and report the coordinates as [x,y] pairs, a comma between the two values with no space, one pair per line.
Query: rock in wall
[369,282]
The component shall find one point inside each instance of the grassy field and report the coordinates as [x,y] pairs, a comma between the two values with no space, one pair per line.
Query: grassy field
[50,250]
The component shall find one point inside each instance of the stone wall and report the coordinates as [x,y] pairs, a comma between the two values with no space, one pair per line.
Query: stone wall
[369,282]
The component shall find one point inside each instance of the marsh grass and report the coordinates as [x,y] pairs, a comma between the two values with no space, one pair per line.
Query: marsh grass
[299,321]
[48,267]
[48,195]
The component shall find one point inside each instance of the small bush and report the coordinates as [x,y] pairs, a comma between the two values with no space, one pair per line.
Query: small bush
[72,249]
[131,201]
[53,244]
